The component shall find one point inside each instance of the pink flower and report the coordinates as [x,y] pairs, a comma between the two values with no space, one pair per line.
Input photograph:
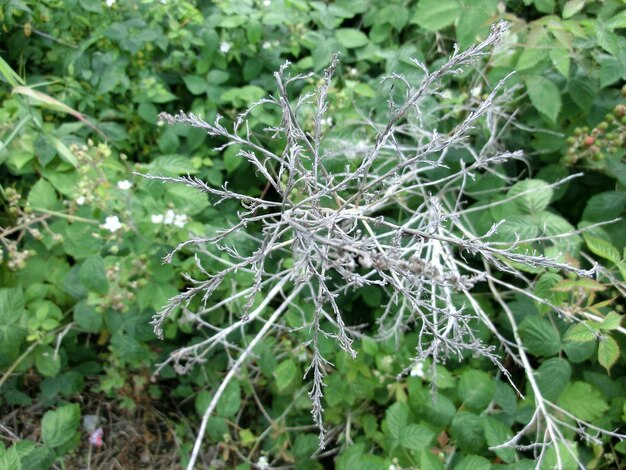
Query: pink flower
[95,438]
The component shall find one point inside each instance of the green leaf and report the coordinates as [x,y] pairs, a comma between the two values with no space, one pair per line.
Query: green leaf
[540,337]
[476,389]
[351,38]
[566,458]
[608,352]
[202,402]
[232,159]
[285,375]
[42,196]
[583,90]
[612,70]
[467,431]
[10,459]
[531,196]
[93,276]
[473,25]
[473,462]
[254,32]
[572,7]
[580,333]
[544,95]
[217,77]
[496,433]
[246,95]
[602,248]
[560,59]
[434,15]
[578,352]
[87,318]
[196,85]
[47,362]
[59,426]
[583,401]
[552,377]
[230,402]
[545,6]
[11,305]
[94,6]
[397,417]
[604,206]
[416,436]
[612,321]
[429,461]
[533,52]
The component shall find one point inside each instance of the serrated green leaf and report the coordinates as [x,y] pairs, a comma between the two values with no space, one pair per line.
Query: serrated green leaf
[580,333]
[429,461]
[434,15]
[612,321]
[11,305]
[586,285]
[93,276]
[544,95]
[583,91]
[397,417]
[496,433]
[351,38]
[47,362]
[608,352]
[285,374]
[602,248]
[467,431]
[60,425]
[476,389]
[560,59]
[572,7]
[473,462]
[232,158]
[531,196]
[230,401]
[534,51]
[583,401]
[196,85]
[42,196]
[552,377]
[416,437]
[540,337]
[10,458]
[567,456]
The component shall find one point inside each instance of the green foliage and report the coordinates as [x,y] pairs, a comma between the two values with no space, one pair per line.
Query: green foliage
[81,270]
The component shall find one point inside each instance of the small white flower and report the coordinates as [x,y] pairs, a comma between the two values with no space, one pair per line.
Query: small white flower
[180,220]
[157,218]
[80,200]
[418,370]
[353,72]
[169,217]
[262,463]
[109,2]
[225,47]
[476,91]
[267,3]
[266,45]
[392,467]
[112,224]
[124,185]
[327,122]
[447,95]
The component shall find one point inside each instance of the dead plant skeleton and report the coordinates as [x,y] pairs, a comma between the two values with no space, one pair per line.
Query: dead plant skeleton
[336,229]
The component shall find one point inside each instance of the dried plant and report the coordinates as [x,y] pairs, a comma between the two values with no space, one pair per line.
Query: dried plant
[343,231]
